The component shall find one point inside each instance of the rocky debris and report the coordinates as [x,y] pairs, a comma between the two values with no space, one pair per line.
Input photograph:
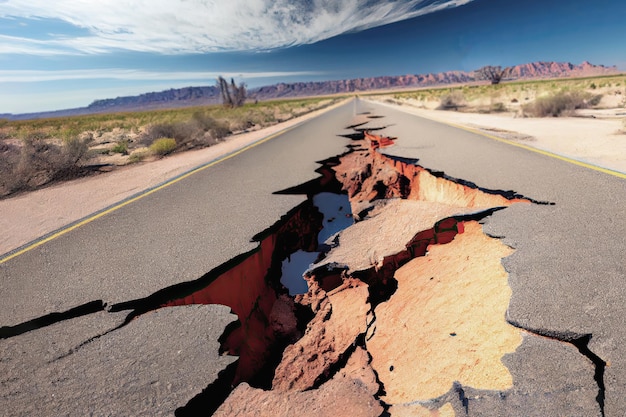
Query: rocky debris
[349,393]
[446,322]
[359,367]
[246,286]
[367,175]
[377,141]
[341,396]
[341,316]
[386,232]
[406,212]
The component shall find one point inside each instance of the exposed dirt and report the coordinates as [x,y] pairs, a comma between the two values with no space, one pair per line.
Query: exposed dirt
[370,296]
[403,307]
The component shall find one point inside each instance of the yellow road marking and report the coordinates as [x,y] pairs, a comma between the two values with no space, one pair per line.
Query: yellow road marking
[519,145]
[536,150]
[146,193]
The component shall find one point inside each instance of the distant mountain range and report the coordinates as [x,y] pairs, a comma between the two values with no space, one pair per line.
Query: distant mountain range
[196,96]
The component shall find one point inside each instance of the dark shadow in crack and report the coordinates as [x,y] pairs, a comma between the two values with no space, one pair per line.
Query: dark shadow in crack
[52,318]
[508,194]
[354,126]
[371,129]
[458,388]
[354,136]
[212,397]
[582,344]
[326,182]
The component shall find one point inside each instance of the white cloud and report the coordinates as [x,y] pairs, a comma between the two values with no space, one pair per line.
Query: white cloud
[197,26]
[29,76]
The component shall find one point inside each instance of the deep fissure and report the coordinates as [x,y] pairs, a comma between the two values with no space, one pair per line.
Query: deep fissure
[261,333]
[52,318]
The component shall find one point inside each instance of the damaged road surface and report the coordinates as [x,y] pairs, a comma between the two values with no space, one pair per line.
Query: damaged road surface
[416,269]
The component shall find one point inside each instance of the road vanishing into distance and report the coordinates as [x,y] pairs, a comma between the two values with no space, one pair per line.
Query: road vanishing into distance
[65,351]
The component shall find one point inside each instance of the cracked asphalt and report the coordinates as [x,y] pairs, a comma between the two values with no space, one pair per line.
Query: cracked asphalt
[568,271]
[172,236]
[567,276]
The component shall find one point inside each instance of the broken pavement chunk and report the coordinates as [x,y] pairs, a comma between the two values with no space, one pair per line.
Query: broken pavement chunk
[446,322]
[342,316]
[386,232]
[342,396]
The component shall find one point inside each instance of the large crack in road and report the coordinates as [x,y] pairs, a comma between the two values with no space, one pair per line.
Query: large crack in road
[399,312]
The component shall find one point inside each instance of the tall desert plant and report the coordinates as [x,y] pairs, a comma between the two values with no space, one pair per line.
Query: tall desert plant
[233,95]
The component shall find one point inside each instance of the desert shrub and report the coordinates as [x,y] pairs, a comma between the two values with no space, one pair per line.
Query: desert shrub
[9,158]
[200,130]
[35,135]
[120,147]
[561,103]
[163,146]
[139,155]
[156,131]
[450,101]
[75,149]
[594,100]
[38,162]
[207,124]
[498,107]
[180,132]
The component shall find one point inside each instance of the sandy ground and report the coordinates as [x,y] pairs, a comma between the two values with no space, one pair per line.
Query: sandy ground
[599,141]
[28,216]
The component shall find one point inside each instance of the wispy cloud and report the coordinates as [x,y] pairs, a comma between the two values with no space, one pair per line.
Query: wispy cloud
[197,26]
[29,76]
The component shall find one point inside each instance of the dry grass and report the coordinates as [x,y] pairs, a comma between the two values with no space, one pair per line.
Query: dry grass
[34,153]
[562,103]
[514,95]
[38,162]
[452,101]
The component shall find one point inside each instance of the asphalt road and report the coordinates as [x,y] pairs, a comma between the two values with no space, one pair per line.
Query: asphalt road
[172,236]
[567,276]
[568,273]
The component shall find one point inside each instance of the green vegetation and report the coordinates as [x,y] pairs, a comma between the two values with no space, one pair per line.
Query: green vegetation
[262,113]
[120,147]
[36,152]
[163,146]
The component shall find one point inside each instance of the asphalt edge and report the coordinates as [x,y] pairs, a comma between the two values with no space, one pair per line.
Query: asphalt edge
[20,250]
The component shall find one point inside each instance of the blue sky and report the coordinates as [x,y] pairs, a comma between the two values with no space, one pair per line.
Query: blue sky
[66,53]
